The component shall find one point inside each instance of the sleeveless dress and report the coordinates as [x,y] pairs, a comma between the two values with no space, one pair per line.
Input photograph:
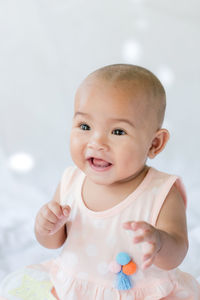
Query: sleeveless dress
[94,241]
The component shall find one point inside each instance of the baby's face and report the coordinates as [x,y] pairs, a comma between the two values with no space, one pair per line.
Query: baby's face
[111,132]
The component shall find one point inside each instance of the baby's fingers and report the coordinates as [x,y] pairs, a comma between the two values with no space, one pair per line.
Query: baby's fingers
[66,210]
[45,225]
[49,215]
[131,225]
[63,220]
[148,263]
[145,236]
[55,208]
[149,255]
[146,231]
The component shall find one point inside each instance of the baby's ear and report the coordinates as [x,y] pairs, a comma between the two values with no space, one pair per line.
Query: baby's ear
[158,144]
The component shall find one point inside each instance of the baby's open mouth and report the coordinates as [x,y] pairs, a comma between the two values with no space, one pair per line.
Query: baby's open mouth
[99,163]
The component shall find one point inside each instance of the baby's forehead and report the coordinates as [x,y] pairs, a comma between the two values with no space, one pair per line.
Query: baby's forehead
[121,97]
[141,91]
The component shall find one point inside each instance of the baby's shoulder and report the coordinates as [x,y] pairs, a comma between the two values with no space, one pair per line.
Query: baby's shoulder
[172,213]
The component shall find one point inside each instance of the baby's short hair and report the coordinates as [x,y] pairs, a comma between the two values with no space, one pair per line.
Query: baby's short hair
[144,78]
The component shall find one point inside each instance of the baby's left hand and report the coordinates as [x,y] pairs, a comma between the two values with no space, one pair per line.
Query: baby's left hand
[148,234]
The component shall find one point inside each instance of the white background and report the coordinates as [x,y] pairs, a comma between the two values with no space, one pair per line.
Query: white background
[46,49]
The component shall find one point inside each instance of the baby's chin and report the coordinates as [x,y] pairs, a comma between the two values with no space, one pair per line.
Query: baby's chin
[99,178]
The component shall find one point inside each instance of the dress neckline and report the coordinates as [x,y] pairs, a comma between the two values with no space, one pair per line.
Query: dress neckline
[118,207]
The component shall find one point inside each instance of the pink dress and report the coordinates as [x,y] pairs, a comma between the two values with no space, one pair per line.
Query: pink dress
[94,241]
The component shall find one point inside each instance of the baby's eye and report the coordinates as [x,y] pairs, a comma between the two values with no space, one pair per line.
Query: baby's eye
[84,127]
[119,132]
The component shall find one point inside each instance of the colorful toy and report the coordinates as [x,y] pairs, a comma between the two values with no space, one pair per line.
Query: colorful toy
[114,267]
[123,258]
[123,267]
[130,268]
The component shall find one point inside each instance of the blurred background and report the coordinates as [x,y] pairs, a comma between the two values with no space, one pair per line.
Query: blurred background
[47,48]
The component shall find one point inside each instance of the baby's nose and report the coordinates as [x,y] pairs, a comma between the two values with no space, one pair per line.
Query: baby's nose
[98,142]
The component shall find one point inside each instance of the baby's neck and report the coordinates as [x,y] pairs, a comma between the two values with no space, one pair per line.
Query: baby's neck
[101,197]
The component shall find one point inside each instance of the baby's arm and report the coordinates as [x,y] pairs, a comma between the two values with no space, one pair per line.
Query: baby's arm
[50,223]
[168,241]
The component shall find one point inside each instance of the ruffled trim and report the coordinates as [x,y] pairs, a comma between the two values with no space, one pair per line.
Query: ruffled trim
[70,287]
[153,290]
[74,288]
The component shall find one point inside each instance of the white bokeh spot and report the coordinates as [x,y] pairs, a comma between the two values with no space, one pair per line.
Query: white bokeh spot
[131,51]
[21,162]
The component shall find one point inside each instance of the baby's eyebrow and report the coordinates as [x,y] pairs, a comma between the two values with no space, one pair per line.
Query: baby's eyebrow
[112,119]
[123,120]
[81,114]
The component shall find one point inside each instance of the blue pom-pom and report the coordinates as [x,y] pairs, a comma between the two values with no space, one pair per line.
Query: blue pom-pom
[123,281]
[123,258]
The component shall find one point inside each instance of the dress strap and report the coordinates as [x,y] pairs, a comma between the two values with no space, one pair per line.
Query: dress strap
[68,181]
[160,198]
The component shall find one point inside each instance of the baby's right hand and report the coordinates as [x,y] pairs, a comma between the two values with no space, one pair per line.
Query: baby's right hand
[51,217]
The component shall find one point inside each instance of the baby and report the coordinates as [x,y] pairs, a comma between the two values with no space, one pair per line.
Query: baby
[122,223]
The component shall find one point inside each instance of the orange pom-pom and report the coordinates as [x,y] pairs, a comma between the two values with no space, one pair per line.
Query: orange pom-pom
[129,268]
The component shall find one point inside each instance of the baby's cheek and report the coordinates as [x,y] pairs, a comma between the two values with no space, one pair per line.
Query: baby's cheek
[76,141]
[75,146]
[78,146]
[131,160]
